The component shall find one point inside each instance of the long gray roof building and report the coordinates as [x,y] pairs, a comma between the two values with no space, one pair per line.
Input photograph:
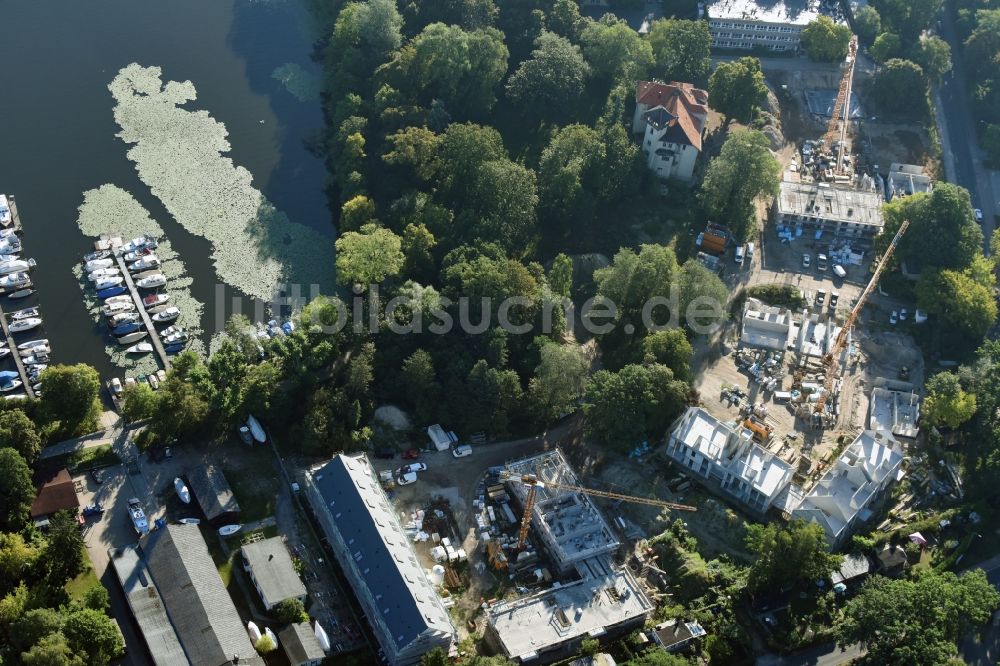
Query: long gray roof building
[197,603]
[401,604]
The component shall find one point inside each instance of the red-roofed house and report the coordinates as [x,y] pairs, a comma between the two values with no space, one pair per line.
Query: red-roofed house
[56,492]
[671,117]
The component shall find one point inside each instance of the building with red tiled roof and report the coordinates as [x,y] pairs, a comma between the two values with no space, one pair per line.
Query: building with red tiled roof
[671,117]
[57,492]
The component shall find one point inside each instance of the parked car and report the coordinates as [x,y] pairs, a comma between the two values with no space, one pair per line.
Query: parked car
[894,317]
[406,479]
[97,475]
[834,297]
[806,260]
[462,451]
[839,271]
[820,298]
[94,509]
[903,314]
[413,467]
[821,262]
[411,454]
[919,316]
[979,215]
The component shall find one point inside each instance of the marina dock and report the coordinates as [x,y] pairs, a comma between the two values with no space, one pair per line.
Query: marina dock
[21,370]
[14,353]
[154,335]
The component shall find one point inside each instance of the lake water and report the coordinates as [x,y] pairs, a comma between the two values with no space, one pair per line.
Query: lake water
[57,132]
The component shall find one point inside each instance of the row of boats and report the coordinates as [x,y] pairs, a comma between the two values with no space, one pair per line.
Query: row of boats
[125,322]
[15,283]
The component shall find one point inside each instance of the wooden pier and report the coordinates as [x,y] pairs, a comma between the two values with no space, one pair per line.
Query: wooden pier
[154,335]
[16,226]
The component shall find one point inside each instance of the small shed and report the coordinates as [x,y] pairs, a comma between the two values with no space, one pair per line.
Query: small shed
[301,645]
[272,572]
[213,493]
[854,568]
[674,635]
[55,493]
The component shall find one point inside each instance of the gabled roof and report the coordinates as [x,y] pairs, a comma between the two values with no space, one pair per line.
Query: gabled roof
[300,643]
[392,577]
[199,607]
[273,570]
[212,491]
[687,105]
[56,492]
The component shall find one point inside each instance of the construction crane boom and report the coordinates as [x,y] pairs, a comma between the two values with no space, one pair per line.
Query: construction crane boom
[533,483]
[842,102]
[840,342]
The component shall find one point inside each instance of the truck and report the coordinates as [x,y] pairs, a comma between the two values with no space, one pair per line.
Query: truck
[711,242]
[138,516]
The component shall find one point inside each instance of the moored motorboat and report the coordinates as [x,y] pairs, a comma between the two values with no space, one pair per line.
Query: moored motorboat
[125,298]
[111,291]
[34,351]
[138,254]
[14,281]
[36,359]
[183,494]
[115,386]
[7,375]
[103,273]
[155,300]
[120,318]
[161,375]
[138,243]
[175,348]
[10,385]
[141,348]
[4,352]
[33,343]
[22,325]
[94,256]
[154,382]
[16,266]
[144,264]
[126,328]
[132,337]
[176,338]
[21,293]
[152,282]
[108,282]
[25,313]
[119,307]
[98,264]
[169,314]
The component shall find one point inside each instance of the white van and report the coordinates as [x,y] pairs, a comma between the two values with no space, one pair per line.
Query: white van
[738,257]
[750,249]
[839,271]
[462,451]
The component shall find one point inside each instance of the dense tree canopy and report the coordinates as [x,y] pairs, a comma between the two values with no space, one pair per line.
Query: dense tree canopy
[887,46]
[551,82]
[682,50]
[672,349]
[368,256]
[868,24]
[633,405]
[70,398]
[826,41]
[743,171]
[786,555]
[934,56]
[559,381]
[16,490]
[907,17]
[19,432]
[899,87]
[946,403]
[943,232]
[571,176]
[614,50]
[916,622]
[737,88]
[94,634]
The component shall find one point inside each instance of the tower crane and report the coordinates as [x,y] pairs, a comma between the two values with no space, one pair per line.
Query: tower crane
[830,359]
[533,483]
[842,102]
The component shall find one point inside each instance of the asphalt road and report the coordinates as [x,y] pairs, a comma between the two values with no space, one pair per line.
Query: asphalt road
[963,159]
[822,655]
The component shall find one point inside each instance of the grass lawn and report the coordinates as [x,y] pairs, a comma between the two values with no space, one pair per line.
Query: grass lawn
[77,587]
[254,483]
[95,456]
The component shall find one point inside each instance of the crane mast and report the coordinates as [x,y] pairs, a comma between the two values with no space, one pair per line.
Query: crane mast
[840,342]
[842,105]
[533,483]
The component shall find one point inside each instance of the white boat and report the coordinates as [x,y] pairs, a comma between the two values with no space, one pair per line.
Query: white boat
[118,308]
[270,634]
[103,273]
[138,254]
[10,385]
[227,530]
[141,348]
[4,352]
[21,293]
[139,243]
[33,343]
[144,264]
[189,521]
[182,490]
[16,266]
[154,381]
[115,386]
[35,373]
[181,336]
[135,336]
[25,313]
[152,282]
[22,325]
[167,315]
[254,632]
[123,298]
[14,280]
[106,282]
[256,429]
[123,318]
[155,300]
[33,351]
[98,264]
[138,516]
[5,218]
[35,359]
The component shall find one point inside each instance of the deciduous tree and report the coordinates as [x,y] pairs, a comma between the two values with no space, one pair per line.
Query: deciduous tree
[52,650]
[868,24]
[934,56]
[900,87]
[559,381]
[368,256]
[614,50]
[290,611]
[825,40]
[682,49]
[570,177]
[737,89]
[16,491]
[887,46]
[632,405]
[672,349]
[70,398]
[550,83]
[916,622]
[743,171]
[63,554]
[18,432]
[94,634]
[946,403]
[784,555]
[561,275]
[138,402]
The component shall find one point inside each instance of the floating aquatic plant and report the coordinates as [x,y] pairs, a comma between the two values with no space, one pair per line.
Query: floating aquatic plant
[111,210]
[178,153]
[301,83]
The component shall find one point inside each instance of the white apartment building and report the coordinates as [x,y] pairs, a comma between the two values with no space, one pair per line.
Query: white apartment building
[745,24]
